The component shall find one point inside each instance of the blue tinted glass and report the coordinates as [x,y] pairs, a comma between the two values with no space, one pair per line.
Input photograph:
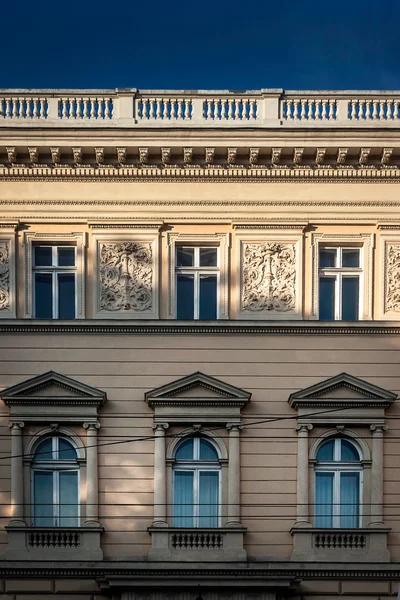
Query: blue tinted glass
[327,257]
[185,450]
[43,256]
[208,499]
[184,257]
[43,494]
[43,296]
[207,451]
[350,258]
[323,499]
[208,297]
[66,451]
[183,499]
[185,296]
[326,298]
[325,451]
[66,296]
[44,451]
[68,499]
[208,257]
[348,452]
[350,298]
[66,256]
[349,499]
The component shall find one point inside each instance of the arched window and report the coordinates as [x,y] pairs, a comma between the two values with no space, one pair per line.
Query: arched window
[338,481]
[55,483]
[197,475]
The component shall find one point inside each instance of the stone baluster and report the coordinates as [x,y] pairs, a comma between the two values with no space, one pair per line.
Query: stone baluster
[353,110]
[152,103]
[158,104]
[302,475]
[237,109]
[8,108]
[296,115]
[17,474]
[377,475]
[86,109]
[42,108]
[230,109]
[318,106]
[180,109]
[173,109]
[375,109]
[332,107]
[253,109]
[160,482]
[324,114]
[382,110]
[218,110]
[234,474]
[187,109]
[108,109]
[92,486]
[35,108]
[64,110]
[389,113]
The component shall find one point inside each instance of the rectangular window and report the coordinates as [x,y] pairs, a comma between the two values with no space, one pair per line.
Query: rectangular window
[54,282]
[197,282]
[339,283]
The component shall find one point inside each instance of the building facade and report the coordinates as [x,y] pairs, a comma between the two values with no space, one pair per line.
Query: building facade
[199,319]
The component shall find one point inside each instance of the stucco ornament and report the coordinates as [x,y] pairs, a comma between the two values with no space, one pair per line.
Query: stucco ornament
[393,277]
[269,277]
[126,276]
[4,276]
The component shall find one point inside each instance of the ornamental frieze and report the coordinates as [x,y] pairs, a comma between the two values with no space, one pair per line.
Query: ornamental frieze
[269,277]
[126,276]
[4,276]
[393,277]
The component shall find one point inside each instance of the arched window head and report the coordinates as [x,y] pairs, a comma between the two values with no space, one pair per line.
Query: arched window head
[338,484]
[55,483]
[197,475]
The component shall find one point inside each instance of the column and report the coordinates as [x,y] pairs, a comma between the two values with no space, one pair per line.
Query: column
[160,481]
[234,474]
[377,475]
[17,475]
[302,517]
[92,486]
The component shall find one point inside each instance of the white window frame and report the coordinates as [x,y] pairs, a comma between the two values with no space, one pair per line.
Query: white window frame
[35,238]
[364,241]
[218,240]
[337,466]
[54,270]
[196,270]
[339,273]
[197,466]
[55,466]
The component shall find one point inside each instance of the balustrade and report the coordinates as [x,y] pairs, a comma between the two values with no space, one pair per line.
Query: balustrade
[54,539]
[23,108]
[311,109]
[165,109]
[232,109]
[373,110]
[85,108]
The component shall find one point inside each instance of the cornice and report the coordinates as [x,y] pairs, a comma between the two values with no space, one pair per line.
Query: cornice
[95,327]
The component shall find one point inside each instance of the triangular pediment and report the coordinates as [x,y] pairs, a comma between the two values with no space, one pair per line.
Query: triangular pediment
[51,388]
[342,389]
[197,388]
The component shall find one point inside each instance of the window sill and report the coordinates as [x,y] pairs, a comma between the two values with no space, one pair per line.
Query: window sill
[340,545]
[191,544]
[54,543]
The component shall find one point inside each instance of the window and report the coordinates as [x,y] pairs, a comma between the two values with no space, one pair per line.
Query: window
[55,484]
[54,281]
[338,480]
[197,282]
[196,486]
[339,283]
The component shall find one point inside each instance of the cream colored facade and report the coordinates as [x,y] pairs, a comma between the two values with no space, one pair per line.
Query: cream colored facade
[269,179]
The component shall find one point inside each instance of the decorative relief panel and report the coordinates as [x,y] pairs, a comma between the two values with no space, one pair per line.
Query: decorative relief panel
[269,277]
[5,300]
[392,278]
[126,276]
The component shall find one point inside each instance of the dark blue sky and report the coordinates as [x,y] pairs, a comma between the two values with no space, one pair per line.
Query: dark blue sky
[201,45]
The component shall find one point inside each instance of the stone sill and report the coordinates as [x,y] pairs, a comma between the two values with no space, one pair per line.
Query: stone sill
[191,544]
[54,543]
[337,545]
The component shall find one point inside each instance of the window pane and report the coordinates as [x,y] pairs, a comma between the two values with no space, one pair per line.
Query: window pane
[323,499]
[208,297]
[350,258]
[349,499]
[43,296]
[45,450]
[348,452]
[327,257]
[184,257]
[208,257]
[208,499]
[350,298]
[185,450]
[43,256]
[207,451]
[325,451]
[183,499]
[66,257]
[68,509]
[327,298]
[185,296]
[43,494]
[66,451]
[66,296]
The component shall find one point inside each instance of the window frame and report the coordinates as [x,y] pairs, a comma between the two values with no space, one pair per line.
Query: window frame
[55,466]
[35,238]
[337,466]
